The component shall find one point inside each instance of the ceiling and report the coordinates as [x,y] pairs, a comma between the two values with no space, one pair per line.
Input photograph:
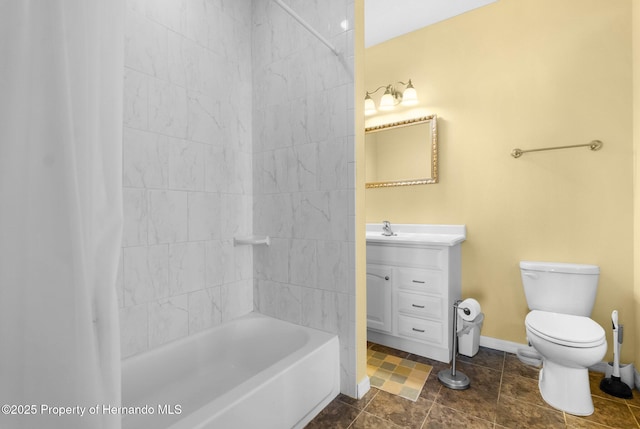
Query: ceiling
[386,19]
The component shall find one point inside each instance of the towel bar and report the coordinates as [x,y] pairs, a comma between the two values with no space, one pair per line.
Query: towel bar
[593,145]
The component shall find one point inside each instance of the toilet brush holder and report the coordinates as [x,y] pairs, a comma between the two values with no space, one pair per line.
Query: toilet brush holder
[627,372]
[451,378]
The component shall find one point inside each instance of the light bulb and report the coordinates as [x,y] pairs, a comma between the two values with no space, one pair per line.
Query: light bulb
[409,96]
[387,101]
[369,105]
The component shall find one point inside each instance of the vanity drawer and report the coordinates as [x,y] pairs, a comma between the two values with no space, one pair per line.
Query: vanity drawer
[420,305]
[423,330]
[419,280]
[429,257]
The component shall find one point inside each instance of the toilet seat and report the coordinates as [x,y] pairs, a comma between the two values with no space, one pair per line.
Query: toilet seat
[565,329]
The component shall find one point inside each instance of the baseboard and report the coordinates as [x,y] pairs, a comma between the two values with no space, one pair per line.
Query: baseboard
[502,345]
[599,367]
[363,387]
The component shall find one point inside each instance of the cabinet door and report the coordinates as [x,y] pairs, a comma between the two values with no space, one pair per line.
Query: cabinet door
[379,298]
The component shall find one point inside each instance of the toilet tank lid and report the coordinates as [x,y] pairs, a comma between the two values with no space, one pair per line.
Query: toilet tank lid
[560,267]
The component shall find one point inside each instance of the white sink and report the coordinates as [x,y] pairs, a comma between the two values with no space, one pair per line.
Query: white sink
[447,235]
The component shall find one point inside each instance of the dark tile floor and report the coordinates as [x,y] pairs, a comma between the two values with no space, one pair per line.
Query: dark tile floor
[503,394]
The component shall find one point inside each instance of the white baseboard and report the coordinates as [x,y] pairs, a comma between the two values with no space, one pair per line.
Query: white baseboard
[502,345]
[599,367]
[363,387]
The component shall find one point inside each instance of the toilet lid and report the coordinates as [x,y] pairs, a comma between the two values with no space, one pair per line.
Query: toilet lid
[565,329]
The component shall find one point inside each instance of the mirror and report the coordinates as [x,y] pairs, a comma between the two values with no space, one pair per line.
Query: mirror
[402,153]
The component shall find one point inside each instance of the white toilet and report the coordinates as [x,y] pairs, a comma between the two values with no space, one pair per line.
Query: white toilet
[561,297]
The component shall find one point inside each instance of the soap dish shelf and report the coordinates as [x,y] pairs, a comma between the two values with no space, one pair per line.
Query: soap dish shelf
[251,240]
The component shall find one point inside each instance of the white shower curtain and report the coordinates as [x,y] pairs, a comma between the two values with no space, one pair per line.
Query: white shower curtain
[61,68]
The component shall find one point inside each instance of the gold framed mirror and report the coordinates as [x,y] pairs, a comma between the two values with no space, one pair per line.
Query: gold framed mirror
[402,153]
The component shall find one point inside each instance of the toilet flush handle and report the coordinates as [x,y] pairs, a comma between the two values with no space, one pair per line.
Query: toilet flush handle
[530,274]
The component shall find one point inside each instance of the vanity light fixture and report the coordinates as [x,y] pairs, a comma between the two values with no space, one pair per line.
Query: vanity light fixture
[391,98]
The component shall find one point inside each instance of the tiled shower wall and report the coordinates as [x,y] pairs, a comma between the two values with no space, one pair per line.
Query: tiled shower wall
[237,122]
[304,170]
[187,169]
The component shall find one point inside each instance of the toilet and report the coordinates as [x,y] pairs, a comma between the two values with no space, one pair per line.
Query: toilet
[561,297]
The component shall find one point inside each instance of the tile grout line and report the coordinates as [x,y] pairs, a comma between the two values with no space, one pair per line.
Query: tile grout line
[354,420]
[363,408]
[632,413]
[422,426]
[495,417]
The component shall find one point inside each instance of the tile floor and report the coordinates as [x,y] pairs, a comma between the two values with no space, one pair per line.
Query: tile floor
[503,394]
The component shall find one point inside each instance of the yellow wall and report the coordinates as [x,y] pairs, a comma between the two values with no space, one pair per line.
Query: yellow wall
[360,209]
[527,74]
[636,164]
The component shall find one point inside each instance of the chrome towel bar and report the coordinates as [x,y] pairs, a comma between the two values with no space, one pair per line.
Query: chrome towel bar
[593,145]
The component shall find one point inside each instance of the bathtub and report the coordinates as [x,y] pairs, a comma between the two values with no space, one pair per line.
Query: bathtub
[252,372]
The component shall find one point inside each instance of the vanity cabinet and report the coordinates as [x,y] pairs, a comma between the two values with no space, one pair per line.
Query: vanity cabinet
[413,279]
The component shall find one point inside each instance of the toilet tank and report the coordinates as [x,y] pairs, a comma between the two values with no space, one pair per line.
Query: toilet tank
[560,287]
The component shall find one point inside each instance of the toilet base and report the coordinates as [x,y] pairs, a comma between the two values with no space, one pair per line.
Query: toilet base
[566,389]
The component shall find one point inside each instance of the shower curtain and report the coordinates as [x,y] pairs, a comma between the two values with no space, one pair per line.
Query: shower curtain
[61,68]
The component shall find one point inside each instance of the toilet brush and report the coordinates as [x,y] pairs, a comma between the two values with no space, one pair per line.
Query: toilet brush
[613,385]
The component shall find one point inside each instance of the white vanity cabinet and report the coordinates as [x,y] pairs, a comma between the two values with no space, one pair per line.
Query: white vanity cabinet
[413,279]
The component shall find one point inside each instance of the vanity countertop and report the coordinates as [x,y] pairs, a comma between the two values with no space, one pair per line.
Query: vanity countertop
[443,235]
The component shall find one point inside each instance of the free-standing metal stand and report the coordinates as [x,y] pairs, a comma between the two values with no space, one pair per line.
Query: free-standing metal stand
[451,378]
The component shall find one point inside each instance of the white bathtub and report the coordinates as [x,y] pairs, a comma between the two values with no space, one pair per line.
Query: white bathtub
[255,371]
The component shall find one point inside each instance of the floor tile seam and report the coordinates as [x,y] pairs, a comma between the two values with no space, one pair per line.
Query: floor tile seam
[437,394]
[365,405]
[501,380]
[596,425]
[355,418]
[600,394]
[633,416]
[491,372]
[349,405]
[495,417]
[629,406]
[544,407]
[500,393]
[427,416]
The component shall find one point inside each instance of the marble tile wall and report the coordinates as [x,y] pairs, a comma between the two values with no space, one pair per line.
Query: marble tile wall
[237,121]
[187,169]
[304,170]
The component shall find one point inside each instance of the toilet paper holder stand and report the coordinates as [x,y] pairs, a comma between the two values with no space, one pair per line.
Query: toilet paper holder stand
[451,378]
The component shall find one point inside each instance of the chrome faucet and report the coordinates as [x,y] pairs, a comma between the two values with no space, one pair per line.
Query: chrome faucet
[386,228]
